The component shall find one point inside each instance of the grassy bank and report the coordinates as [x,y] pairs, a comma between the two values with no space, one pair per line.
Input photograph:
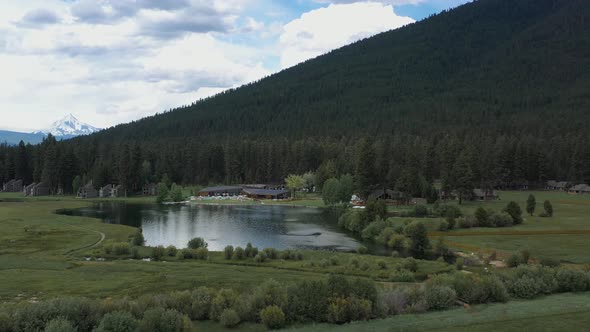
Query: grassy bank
[563,312]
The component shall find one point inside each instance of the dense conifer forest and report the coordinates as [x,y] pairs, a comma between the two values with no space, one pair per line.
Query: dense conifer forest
[493,94]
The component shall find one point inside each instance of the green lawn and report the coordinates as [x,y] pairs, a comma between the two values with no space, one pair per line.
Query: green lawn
[42,255]
[563,312]
[565,236]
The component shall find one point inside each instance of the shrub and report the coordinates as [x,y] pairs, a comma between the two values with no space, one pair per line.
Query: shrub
[514,210]
[381,264]
[373,229]
[5,322]
[410,264]
[59,325]
[501,220]
[201,299]
[82,313]
[158,252]
[452,222]
[286,254]
[572,280]
[229,318]
[118,321]
[402,275]
[249,251]
[121,248]
[271,253]
[444,226]
[180,301]
[171,251]
[514,260]
[355,263]
[201,253]
[272,317]
[185,253]
[138,239]
[197,243]
[135,253]
[465,222]
[418,235]
[161,320]
[238,253]
[525,287]
[395,254]
[482,217]
[385,235]
[397,242]
[362,250]
[439,297]
[269,293]
[365,266]
[308,301]
[225,299]
[395,301]
[334,261]
[493,290]
[228,252]
[548,207]
[260,257]
[459,264]
[420,211]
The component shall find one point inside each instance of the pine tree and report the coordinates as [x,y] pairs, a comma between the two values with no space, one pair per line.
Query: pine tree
[531,204]
[462,177]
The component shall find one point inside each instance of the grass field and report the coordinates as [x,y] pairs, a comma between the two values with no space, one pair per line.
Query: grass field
[565,236]
[43,255]
[563,312]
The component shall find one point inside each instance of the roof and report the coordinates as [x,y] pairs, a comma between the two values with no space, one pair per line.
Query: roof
[480,192]
[581,187]
[107,187]
[380,192]
[265,192]
[221,189]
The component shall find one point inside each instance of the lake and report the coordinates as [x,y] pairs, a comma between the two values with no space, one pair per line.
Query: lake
[279,227]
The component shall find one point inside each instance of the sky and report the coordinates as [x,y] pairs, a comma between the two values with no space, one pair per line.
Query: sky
[114,61]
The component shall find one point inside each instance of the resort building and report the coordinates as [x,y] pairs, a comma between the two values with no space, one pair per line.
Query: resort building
[40,189]
[13,186]
[580,189]
[266,193]
[220,191]
[87,191]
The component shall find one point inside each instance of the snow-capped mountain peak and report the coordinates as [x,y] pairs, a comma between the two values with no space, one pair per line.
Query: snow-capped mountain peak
[70,126]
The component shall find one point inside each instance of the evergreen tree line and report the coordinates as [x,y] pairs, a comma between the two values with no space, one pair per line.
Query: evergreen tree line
[407,163]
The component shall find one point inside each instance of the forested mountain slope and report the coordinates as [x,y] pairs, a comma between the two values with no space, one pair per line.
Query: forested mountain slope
[494,89]
[496,64]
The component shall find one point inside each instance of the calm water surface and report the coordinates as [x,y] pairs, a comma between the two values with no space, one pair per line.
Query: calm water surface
[264,226]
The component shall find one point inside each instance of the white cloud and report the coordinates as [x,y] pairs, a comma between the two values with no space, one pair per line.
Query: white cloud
[321,30]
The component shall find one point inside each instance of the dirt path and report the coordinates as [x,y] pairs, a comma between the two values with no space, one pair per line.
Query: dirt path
[92,245]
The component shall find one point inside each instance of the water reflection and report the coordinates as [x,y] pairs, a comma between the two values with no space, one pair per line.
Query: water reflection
[264,226]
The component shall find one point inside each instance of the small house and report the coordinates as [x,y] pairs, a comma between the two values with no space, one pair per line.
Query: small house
[557,185]
[485,194]
[28,190]
[222,191]
[267,193]
[105,191]
[580,189]
[386,194]
[150,189]
[41,189]
[87,191]
[13,186]
[117,191]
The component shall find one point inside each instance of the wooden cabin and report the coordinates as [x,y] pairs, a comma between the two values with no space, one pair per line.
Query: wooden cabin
[485,195]
[87,191]
[13,186]
[41,189]
[149,189]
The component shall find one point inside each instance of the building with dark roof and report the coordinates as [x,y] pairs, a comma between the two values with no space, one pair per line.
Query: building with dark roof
[220,191]
[13,186]
[87,191]
[267,193]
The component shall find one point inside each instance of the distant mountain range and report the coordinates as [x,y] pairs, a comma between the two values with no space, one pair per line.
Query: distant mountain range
[66,128]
